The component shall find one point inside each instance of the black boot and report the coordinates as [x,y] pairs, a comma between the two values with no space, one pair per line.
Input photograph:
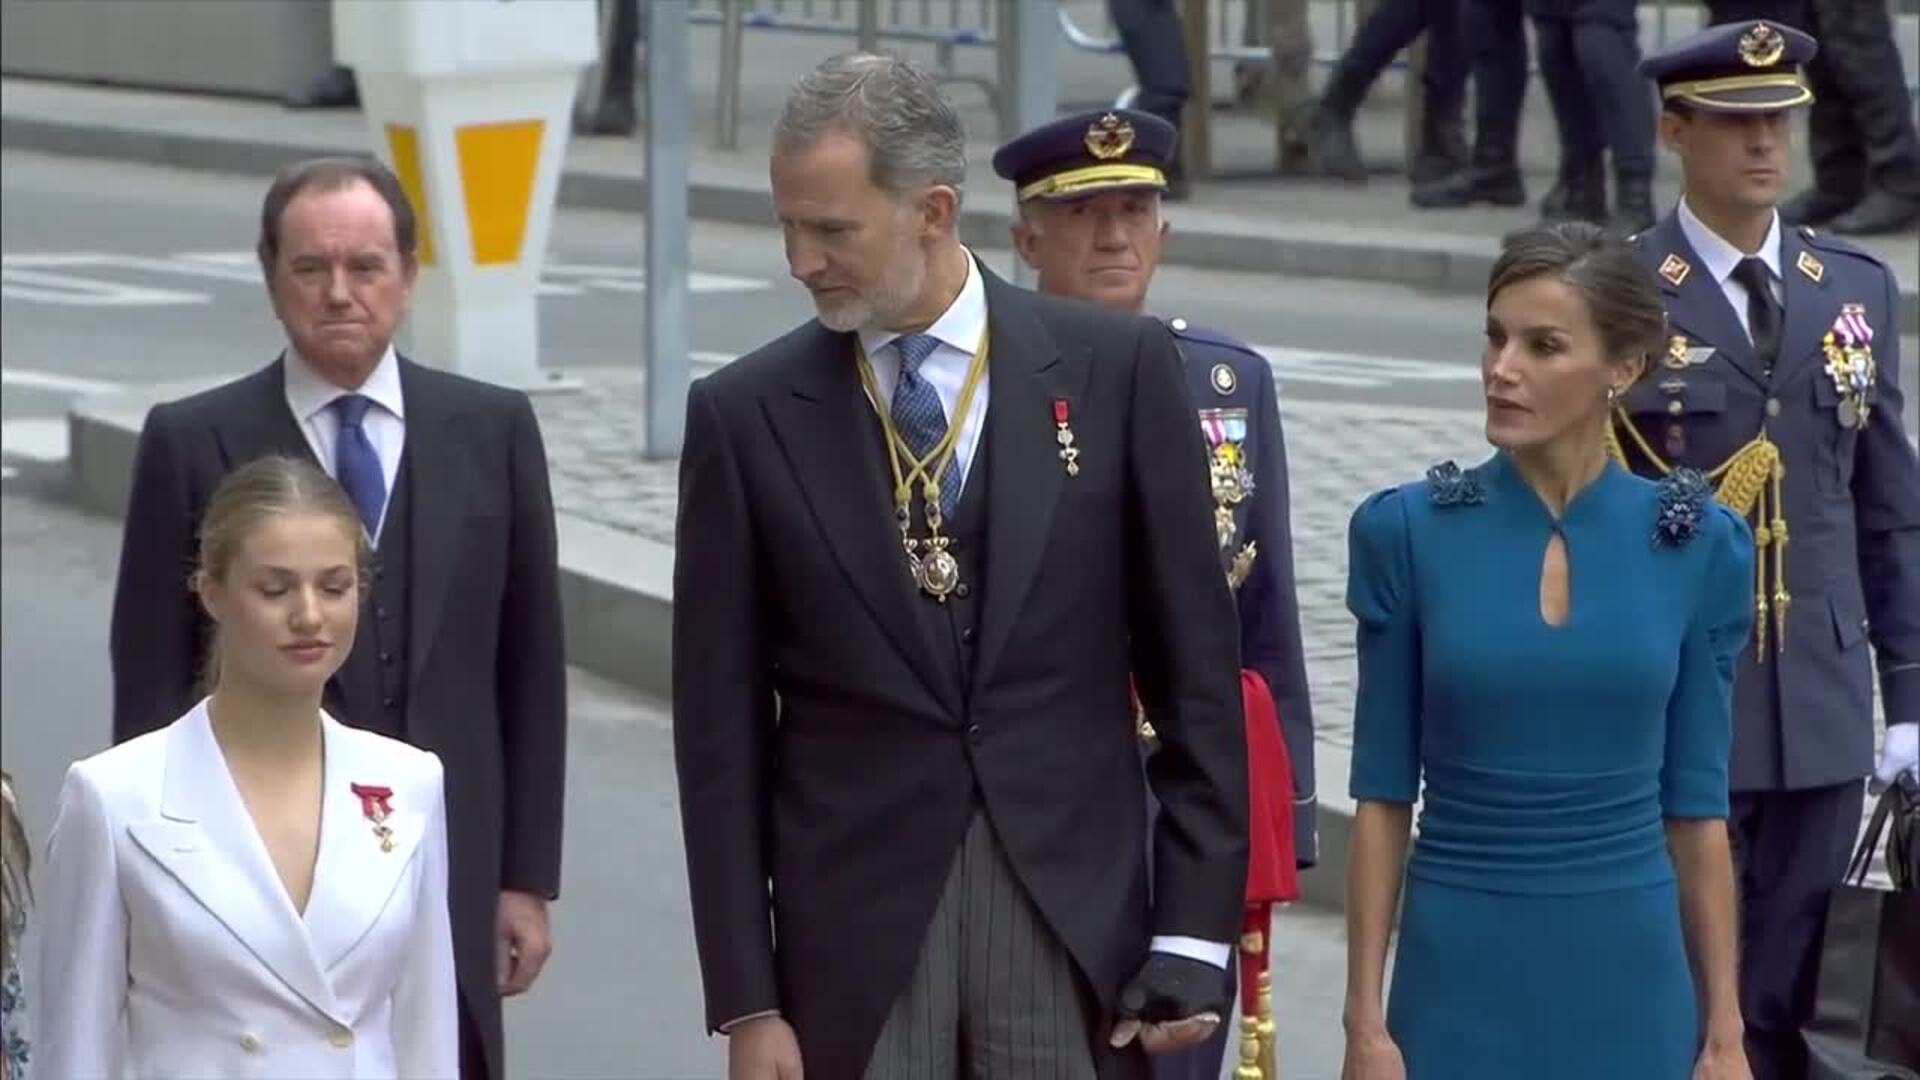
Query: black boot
[615,114]
[1879,213]
[1816,206]
[1443,147]
[1632,206]
[1179,188]
[1493,178]
[1329,144]
[334,88]
[1581,194]
[1327,134]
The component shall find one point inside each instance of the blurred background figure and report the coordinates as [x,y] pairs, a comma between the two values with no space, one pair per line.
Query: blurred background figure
[607,107]
[1496,49]
[1156,46]
[15,891]
[1589,55]
[1325,139]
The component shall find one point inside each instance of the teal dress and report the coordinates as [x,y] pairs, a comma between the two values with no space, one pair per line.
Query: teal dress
[1541,931]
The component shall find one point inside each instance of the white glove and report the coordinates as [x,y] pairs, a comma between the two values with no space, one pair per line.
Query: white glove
[1900,754]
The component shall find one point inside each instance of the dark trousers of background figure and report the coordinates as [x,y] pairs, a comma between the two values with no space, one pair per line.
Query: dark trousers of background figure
[1393,26]
[1156,46]
[1790,849]
[1496,42]
[1860,127]
[1589,51]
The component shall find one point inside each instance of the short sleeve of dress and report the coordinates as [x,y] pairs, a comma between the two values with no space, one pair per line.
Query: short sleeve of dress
[1693,779]
[1386,711]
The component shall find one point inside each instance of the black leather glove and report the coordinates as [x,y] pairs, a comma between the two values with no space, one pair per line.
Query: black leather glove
[1170,987]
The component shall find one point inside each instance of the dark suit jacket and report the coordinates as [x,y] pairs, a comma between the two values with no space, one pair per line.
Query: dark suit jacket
[824,747]
[1804,717]
[487,689]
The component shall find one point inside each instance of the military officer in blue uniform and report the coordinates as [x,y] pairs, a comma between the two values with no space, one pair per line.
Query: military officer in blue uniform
[1780,382]
[1089,189]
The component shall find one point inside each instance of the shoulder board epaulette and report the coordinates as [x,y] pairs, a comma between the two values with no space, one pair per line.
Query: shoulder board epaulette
[1837,245]
[1187,331]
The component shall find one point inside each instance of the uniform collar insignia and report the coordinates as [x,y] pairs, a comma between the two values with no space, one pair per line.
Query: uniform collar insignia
[1811,266]
[1675,269]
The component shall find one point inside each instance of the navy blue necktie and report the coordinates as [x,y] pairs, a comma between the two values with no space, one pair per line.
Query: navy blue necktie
[919,416]
[355,462]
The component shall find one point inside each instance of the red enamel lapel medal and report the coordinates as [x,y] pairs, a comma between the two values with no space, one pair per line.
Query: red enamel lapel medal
[374,804]
[1063,434]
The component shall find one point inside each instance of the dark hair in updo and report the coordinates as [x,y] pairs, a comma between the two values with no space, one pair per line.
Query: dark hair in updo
[1620,292]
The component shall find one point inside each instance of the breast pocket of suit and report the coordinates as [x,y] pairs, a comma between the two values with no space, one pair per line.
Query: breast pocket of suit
[1834,441]
[1683,419]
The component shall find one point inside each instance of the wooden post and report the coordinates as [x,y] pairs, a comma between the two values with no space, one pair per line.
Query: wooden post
[1196,141]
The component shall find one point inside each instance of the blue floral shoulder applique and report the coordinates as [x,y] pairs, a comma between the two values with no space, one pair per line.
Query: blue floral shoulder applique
[1683,502]
[1449,486]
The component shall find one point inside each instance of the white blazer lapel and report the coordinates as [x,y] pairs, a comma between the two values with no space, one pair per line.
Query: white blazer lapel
[356,876]
[207,841]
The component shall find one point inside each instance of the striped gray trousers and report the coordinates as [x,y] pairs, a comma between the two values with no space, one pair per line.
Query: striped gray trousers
[994,993]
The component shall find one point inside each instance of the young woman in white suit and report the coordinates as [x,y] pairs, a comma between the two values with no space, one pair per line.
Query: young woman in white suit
[255,890]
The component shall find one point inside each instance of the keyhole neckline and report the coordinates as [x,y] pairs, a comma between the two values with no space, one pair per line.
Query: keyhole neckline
[1509,473]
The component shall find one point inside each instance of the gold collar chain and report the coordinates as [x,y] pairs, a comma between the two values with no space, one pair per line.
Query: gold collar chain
[929,561]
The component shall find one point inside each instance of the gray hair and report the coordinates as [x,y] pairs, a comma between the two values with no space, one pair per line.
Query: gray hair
[911,131]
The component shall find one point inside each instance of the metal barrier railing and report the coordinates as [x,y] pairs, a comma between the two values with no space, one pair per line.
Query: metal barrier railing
[947,25]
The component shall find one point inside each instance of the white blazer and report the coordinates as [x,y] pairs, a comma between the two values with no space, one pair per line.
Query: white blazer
[169,947]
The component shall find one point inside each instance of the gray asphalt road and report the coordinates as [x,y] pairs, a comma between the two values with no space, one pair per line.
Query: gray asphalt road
[57,211]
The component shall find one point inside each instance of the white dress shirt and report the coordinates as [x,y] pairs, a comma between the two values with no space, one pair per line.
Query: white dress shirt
[1721,257]
[960,331]
[310,398]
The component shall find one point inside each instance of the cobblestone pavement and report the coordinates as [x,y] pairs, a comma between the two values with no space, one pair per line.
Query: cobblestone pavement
[1337,454]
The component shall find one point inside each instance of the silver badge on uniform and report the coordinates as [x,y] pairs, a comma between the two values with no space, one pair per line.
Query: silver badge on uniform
[1223,379]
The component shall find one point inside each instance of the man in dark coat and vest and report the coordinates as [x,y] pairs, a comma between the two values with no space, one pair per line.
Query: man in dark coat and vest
[926,543]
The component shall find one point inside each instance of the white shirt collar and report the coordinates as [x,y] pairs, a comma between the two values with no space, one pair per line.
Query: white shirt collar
[1720,256]
[960,326]
[308,392]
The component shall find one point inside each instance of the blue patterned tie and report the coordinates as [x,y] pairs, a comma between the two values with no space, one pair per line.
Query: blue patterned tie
[918,414]
[356,463]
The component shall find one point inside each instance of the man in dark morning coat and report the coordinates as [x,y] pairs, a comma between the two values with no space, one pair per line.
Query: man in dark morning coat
[459,648]
[1089,188]
[1781,382]
[910,789]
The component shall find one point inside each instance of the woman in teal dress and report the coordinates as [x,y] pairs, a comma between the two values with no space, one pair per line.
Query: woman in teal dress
[1549,641]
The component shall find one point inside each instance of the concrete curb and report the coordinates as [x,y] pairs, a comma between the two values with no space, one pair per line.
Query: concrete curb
[616,592]
[1453,264]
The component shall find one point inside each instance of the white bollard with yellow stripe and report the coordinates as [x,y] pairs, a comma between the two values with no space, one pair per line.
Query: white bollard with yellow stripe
[470,102]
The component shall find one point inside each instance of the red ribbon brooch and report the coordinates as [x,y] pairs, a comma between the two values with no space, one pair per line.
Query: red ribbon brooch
[374,804]
[1063,434]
